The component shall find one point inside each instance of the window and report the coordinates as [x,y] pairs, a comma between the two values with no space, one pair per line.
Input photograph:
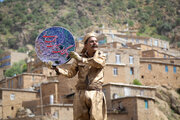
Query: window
[172,61]
[131,71]
[115,71]
[115,96]
[56,114]
[127,91]
[131,59]
[51,99]
[145,41]
[149,67]
[164,56]
[137,40]
[12,96]
[112,36]
[19,81]
[174,69]
[118,59]
[4,58]
[146,104]
[166,68]
[150,42]
[155,43]
[11,83]
[142,92]
[142,76]
[165,46]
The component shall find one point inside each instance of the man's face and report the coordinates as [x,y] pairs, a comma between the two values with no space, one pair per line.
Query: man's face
[92,44]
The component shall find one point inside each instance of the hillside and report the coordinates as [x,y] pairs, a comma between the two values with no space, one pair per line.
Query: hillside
[167,103]
[22,20]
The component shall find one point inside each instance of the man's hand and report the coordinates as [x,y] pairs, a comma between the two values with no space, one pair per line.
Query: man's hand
[75,55]
[50,66]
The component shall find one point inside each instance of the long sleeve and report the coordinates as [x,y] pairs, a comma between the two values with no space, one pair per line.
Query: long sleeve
[71,72]
[98,61]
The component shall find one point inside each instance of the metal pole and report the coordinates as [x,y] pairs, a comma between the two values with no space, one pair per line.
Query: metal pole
[41,100]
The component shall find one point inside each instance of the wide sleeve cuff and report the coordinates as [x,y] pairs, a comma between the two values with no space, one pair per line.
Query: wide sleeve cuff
[71,72]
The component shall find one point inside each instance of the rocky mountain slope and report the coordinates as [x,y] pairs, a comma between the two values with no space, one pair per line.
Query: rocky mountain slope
[167,104]
[22,20]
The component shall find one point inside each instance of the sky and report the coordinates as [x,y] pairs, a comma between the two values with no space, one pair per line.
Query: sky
[1,0]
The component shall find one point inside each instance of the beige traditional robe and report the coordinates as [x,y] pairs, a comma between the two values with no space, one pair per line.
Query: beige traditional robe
[89,100]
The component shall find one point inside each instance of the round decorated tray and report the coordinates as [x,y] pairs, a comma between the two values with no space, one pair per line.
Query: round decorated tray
[54,44]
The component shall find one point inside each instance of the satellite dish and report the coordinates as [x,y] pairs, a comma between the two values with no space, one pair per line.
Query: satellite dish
[54,44]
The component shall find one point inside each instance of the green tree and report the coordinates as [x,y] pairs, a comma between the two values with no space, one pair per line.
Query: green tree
[17,68]
[164,27]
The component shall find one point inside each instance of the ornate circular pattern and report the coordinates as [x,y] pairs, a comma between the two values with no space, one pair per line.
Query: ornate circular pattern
[54,44]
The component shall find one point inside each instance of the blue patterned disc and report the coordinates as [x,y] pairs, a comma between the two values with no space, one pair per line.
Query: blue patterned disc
[54,44]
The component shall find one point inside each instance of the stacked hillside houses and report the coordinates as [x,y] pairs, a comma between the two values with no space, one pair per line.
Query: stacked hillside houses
[128,58]
[8,58]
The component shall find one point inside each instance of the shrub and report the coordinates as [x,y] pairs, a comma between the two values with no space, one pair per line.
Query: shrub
[136,82]
[130,23]
[22,49]
[131,4]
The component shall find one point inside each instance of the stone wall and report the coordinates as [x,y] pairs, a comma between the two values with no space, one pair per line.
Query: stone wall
[25,80]
[50,89]
[13,100]
[135,108]
[115,91]
[158,76]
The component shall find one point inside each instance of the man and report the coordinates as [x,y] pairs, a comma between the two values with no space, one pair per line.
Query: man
[89,101]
